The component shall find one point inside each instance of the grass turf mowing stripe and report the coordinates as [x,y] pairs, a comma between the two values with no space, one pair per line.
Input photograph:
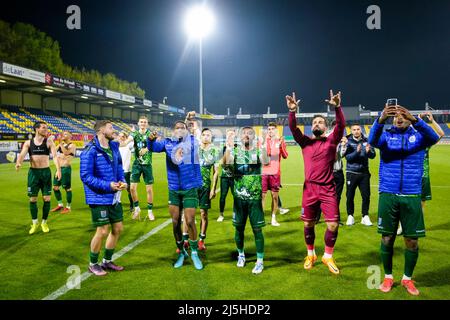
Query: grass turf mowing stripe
[56,294]
[372,185]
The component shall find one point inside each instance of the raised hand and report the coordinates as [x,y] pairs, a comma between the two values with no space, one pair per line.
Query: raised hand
[406,114]
[358,148]
[153,135]
[292,102]
[367,148]
[190,115]
[427,115]
[388,111]
[335,99]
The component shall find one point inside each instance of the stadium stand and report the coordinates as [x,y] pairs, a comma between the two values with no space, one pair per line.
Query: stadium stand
[15,119]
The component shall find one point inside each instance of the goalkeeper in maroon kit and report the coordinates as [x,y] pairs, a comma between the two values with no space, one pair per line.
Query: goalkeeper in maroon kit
[319,189]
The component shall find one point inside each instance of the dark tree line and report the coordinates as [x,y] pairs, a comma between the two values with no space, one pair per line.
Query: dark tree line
[24,45]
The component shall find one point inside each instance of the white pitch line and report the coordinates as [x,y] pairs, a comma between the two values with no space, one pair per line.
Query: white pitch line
[64,289]
[372,185]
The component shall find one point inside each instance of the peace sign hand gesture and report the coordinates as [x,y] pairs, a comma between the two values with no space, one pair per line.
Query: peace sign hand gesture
[335,99]
[292,102]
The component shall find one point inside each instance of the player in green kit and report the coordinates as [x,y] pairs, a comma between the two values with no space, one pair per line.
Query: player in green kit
[142,165]
[226,176]
[248,160]
[208,156]
[39,175]
[426,185]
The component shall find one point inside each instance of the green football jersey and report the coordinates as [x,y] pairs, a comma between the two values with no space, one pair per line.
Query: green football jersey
[247,174]
[426,164]
[140,142]
[208,158]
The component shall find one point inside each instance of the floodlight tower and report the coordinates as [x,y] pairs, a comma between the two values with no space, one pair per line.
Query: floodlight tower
[199,23]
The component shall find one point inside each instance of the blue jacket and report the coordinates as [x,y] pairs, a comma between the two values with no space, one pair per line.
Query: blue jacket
[402,155]
[358,162]
[97,172]
[184,174]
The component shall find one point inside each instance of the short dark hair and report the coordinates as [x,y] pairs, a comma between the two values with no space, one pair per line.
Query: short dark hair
[246,127]
[206,129]
[271,124]
[355,124]
[320,116]
[180,121]
[38,124]
[100,124]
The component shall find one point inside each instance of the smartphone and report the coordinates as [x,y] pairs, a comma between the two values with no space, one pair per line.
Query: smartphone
[392,102]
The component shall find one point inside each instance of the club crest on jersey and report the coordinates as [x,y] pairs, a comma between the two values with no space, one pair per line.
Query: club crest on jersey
[103,213]
[412,139]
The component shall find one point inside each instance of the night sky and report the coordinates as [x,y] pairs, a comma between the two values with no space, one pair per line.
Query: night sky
[260,50]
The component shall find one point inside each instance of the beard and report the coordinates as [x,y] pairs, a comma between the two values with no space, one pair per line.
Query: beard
[109,137]
[317,132]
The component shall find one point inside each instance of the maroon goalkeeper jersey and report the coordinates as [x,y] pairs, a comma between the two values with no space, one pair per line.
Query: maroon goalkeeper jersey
[319,154]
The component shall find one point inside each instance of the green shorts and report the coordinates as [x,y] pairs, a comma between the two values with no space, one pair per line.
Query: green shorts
[203,197]
[103,215]
[144,169]
[406,209]
[66,178]
[248,208]
[39,179]
[426,189]
[184,198]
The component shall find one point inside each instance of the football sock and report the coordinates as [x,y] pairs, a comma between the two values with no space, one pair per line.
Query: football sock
[69,198]
[194,245]
[310,237]
[411,256]
[58,197]
[93,257]
[107,256]
[34,210]
[386,253]
[45,210]
[259,242]
[239,238]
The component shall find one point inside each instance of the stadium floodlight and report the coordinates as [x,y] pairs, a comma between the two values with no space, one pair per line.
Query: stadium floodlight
[84,97]
[110,102]
[199,23]
[2,81]
[48,90]
[132,107]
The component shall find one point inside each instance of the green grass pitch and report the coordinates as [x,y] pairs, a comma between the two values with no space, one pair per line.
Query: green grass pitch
[34,266]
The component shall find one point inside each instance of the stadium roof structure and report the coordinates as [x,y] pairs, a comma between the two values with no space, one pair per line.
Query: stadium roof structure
[49,85]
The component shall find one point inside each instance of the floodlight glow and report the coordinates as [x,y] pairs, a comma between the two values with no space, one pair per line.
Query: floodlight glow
[199,22]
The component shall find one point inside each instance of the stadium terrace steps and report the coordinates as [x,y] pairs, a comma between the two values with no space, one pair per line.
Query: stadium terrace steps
[15,119]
